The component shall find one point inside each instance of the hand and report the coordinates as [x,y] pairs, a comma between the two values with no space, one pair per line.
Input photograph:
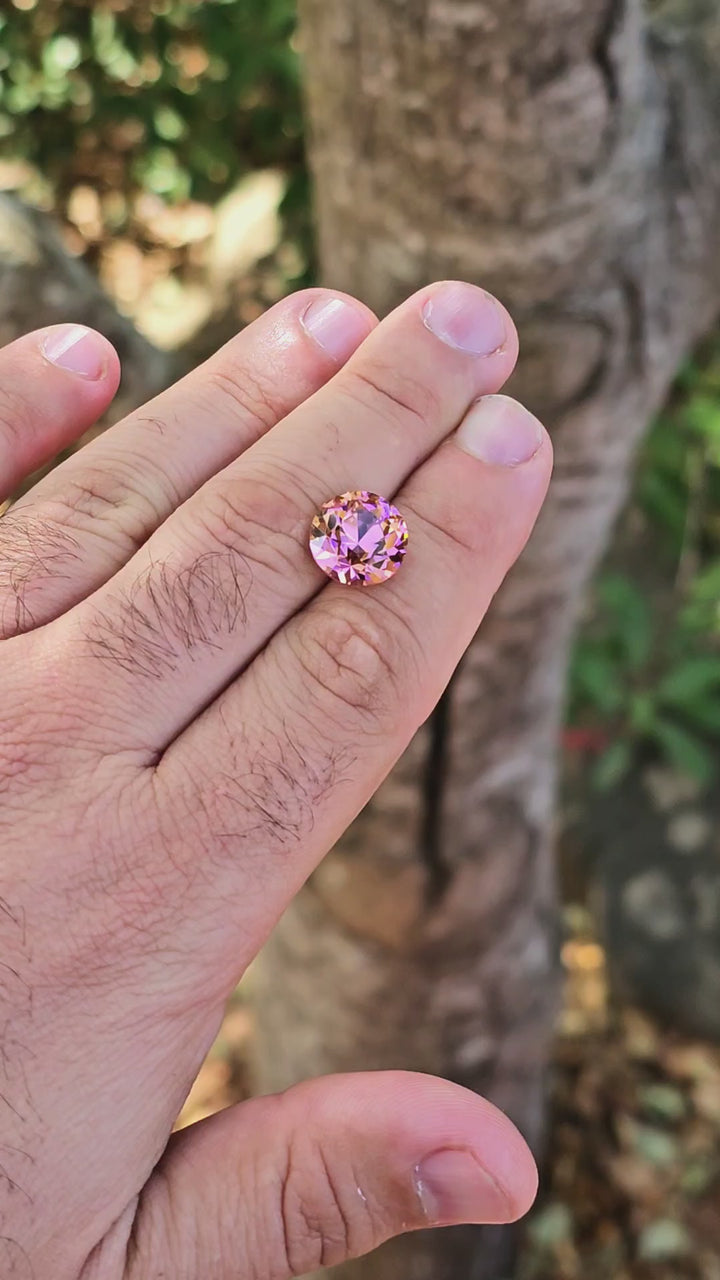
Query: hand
[191,715]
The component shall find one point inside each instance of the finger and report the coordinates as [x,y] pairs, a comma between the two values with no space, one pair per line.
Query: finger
[226,571]
[282,1185]
[95,510]
[268,778]
[54,384]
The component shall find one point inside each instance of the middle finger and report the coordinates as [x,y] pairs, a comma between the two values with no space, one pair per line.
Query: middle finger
[211,587]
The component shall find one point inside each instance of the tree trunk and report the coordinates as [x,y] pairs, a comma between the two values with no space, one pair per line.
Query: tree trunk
[563,154]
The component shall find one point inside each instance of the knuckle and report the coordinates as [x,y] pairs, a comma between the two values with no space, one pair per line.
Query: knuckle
[245,389]
[325,1221]
[93,493]
[110,498]
[348,666]
[257,519]
[33,552]
[385,389]
[23,759]
[457,531]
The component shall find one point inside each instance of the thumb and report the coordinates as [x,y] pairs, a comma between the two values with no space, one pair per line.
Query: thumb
[282,1185]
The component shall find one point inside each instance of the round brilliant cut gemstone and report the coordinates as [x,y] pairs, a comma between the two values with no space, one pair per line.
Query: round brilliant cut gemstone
[359,538]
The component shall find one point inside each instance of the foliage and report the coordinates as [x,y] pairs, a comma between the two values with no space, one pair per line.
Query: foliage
[646,670]
[177,97]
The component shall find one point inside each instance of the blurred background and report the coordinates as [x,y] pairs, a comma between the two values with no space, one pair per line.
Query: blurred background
[166,141]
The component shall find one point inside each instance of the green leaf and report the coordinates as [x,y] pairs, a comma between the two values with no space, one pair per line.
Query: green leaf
[693,677]
[702,612]
[632,619]
[664,503]
[613,765]
[687,752]
[703,714]
[642,711]
[702,414]
[597,680]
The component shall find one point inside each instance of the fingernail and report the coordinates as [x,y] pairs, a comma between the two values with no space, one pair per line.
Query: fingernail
[454,1188]
[500,432]
[466,318]
[336,325]
[76,349]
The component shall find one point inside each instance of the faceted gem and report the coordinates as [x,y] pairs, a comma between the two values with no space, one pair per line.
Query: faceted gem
[359,538]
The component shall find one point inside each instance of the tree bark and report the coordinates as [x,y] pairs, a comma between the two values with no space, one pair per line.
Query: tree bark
[41,283]
[562,153]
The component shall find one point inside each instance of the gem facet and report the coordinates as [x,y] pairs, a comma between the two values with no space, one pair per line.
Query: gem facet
[359,538]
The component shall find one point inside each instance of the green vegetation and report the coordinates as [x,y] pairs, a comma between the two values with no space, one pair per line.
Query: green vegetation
[646,670]
[177,97]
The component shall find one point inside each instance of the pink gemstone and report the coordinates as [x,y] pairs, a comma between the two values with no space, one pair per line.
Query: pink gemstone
[359,538]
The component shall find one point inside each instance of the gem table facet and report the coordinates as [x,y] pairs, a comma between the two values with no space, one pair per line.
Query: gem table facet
[359,539]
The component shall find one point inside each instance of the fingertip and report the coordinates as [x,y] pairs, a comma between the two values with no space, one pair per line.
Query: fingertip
[438,1130]
[336,322]
[505,1154]
[456,1186]
[319,293]
[470,319]
[81,352]
[499,1169]
[501,432]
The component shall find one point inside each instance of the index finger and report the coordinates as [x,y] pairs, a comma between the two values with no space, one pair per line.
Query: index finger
[54,384]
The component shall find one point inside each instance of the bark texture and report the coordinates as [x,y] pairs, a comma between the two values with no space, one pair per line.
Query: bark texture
[41,283]
[564,154]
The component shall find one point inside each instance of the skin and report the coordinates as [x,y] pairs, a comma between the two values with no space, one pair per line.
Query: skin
[192,714]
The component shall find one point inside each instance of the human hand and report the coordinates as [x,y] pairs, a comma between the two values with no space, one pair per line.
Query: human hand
[192,714]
